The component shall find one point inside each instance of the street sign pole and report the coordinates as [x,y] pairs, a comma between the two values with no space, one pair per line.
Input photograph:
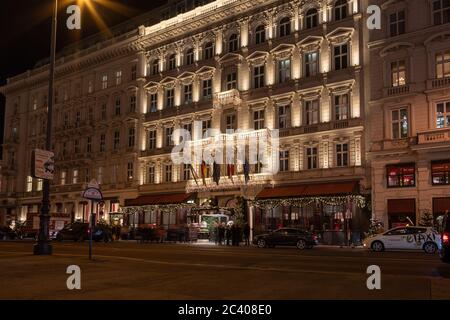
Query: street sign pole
[94,194]
[91,229]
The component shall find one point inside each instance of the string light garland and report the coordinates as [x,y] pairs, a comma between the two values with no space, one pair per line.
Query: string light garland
[359,200]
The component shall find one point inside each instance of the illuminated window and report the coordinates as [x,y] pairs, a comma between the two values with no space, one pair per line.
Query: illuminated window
[443,114]
[340,10]
[398,73]
[441,11]
[170,98]
[39,184]
[206,125]
[130,170]
[230,122]
[284,161]
[399,123]
[63,177]
[311,63]
[168,132]
[151,174]
[153,102]
[119,77]
[440,172]
[285,27]
[284,70]
[341,107]
[342,154]
[29,184]
[231,81]
[401,175]
[260,34]
[105,81]
[75,176]
[312,112]
[207,89]
[283,116]
[312,18]
[258,119]
[187,90]
[443,65]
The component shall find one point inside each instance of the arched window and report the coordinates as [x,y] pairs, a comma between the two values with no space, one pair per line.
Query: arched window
[171,65]
[208,51]
[340,10]
[285,27]
[260,34]
[155,67]
[312,18]
[233,43]
[189,56]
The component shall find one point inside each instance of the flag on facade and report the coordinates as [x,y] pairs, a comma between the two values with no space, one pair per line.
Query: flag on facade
[246,171]
[216,173]
[204,171]
[230,171]
[194,173]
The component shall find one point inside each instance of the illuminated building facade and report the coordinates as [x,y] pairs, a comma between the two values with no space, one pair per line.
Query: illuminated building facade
[260,65]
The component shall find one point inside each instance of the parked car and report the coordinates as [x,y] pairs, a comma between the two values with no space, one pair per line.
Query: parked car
[79,231]
[286,237]
[405,238]
[444,252]
[6,233]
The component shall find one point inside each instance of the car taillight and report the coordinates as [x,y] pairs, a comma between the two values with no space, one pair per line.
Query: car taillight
[445,238]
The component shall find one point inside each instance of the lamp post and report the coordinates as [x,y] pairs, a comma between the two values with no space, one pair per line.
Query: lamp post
[43,245]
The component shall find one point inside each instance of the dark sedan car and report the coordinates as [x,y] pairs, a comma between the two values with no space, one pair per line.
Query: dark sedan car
[286,237]
[79,231]
[6,233]
[444,252]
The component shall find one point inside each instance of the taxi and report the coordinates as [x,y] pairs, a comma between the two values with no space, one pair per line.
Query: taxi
[405,238]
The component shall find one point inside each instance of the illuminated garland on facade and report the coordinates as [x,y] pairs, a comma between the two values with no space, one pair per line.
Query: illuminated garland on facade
[359,200]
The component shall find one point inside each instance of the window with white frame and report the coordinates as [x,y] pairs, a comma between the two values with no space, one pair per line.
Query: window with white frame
[399,118]
[171,62]
[258,119]
[441,11]
[284,70]
[168,172]
[283,116]
[285,27]
[312,158]
[116,139]
[105,81]
[284,160]
[206,125]
[187,92]
[170,98]
[208,51]
[131,137]
[312,111]
[397,22]
[340,10]
[207,89]
[186,172]
[311,63]
[152,139]
[260,34]
[118,77]
[230,121]
[188,134]
[153,102]
[130,170]
[29,183]
[258,76]
[443,114]
[342,154]
[150,174]
[168,132]
[189,57]
[233,43]
[443,64]
[311,18]
[75,176]
[340,56]
[40,183]
[398,73]
[231,81]
[341,106]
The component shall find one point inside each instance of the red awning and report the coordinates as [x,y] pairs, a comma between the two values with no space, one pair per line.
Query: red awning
[307,190]
[441,205]
[170,198]
[401,206]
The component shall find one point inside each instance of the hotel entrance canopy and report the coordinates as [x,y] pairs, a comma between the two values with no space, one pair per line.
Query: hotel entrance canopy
[159,199]
[310,190]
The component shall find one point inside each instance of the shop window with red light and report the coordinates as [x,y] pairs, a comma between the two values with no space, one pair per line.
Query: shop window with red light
[440,172]
[401,176]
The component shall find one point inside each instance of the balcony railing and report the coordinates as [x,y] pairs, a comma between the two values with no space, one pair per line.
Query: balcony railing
[439,83]
[434,136]
[229,97]
[393,91]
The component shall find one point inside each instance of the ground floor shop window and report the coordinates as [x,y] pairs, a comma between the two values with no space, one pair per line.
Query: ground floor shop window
[440,206]
[401,175]
[440,172]
[401,212]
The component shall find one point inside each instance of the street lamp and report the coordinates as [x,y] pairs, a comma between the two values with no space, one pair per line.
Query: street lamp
[43,245]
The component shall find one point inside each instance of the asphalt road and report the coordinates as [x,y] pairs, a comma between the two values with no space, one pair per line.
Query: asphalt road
[127,270]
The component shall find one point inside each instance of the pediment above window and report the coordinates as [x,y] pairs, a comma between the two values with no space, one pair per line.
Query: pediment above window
[396,47]
[439,37]
[283,51]
[205,72]
[310,43]
[258,57]
[340,35]
[230,58]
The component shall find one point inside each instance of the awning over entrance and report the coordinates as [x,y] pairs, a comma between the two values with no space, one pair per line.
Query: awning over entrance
[401,206]
[155,199]
[308,190]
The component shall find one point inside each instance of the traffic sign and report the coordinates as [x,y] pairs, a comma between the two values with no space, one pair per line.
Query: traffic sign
[92,191]
[43,164]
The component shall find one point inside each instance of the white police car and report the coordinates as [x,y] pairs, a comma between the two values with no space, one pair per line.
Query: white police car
[405,238]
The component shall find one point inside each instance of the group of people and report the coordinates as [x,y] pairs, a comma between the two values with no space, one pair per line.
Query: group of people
[231,234]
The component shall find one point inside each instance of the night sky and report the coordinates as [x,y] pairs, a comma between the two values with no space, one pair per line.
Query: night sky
[26,29]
